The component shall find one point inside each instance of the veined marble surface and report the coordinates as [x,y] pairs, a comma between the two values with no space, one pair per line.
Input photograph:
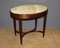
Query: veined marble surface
[28,9]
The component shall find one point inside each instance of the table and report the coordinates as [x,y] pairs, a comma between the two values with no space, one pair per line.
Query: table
[28,12]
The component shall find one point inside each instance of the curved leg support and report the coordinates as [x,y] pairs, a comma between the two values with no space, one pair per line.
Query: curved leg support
[33,30]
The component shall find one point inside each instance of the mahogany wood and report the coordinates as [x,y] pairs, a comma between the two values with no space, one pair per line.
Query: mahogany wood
[21,17]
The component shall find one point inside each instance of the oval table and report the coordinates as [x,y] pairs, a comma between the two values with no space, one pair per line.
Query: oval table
[28,12]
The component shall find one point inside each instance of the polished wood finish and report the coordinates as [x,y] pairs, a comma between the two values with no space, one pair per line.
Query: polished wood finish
[28,16]
[20,30]
[14,22]
[23,17]
[44,25]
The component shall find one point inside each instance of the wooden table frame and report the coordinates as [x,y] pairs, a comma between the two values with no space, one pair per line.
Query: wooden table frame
[23,17]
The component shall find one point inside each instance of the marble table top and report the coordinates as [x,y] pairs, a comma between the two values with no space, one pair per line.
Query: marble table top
[28,9]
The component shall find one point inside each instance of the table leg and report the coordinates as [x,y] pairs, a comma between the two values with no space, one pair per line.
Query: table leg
[20,30]
[44,25]
[35,24]
[14,22]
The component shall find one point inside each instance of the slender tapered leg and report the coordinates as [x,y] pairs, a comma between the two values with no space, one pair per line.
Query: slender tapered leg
[20,30]
[35,24]
[44,25]
[14,22]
